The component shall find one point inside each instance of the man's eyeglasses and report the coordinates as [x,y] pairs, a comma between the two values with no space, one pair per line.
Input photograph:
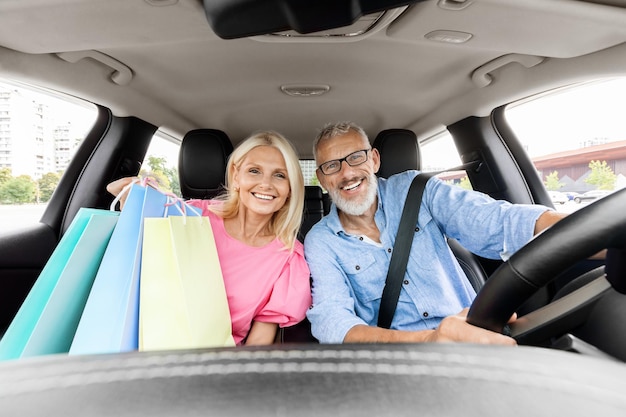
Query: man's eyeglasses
[354,159]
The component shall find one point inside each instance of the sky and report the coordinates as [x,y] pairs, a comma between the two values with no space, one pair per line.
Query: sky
[563,121]
[552,123]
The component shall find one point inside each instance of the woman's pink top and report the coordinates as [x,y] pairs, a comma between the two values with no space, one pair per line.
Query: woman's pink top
[267,284]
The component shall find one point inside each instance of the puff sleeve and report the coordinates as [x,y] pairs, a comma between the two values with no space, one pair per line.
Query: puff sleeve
[290,297]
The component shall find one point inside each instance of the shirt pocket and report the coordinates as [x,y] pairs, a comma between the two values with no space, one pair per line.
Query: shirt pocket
[425,219]
[424,252]
[365,279]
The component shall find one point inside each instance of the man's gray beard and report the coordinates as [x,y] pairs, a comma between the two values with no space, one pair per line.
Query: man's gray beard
[357,208]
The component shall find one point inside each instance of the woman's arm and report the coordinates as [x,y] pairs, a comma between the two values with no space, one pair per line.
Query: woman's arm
[117,186]
[261,333]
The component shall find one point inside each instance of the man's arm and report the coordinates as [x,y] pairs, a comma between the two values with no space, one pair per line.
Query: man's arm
[547,219]
[332,312]
[452,329]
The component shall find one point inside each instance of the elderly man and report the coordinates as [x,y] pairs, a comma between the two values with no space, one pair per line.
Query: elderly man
[349,250]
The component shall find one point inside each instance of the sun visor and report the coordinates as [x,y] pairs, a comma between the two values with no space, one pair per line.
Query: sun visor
[232,19]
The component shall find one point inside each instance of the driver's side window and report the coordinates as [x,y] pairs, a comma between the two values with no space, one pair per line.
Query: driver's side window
[576,138]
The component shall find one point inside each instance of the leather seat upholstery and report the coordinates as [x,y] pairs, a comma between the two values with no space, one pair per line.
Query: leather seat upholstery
[399,152]
[400,149]
[202,163]
[313,209]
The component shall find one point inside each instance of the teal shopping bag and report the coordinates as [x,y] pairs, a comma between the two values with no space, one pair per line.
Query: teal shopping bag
[47,320]
[109,322]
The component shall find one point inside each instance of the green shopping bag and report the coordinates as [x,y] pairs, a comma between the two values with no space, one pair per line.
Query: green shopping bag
[182,300]
[47,320]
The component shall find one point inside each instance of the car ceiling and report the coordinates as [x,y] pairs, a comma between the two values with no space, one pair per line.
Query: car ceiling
[176,73]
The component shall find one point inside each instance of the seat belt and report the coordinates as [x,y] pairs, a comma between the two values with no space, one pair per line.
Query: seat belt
[402,247]
[404,240]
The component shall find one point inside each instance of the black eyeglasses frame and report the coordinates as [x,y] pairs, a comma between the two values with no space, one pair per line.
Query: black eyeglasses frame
[346,161]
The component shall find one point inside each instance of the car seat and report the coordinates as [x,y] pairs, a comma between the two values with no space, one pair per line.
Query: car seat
[313,209]
[202,163]
[313,212]
[202,171]
[399,151]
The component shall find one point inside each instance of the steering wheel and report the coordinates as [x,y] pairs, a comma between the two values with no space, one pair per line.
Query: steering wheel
[585,232]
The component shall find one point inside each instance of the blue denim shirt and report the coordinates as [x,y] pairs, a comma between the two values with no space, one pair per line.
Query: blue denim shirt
[349,271]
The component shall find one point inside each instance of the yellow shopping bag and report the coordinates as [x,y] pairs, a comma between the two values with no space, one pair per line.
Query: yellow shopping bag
[182,300]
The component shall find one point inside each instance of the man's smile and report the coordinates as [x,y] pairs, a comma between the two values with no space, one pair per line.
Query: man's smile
[352,185]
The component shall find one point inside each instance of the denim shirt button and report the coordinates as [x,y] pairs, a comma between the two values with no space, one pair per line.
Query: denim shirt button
[357,267]
[406,282]
[360,237]
[389,250]
[425,314]
[417,229]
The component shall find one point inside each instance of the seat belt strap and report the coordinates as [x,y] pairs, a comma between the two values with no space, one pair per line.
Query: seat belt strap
[404,240]
[402,247]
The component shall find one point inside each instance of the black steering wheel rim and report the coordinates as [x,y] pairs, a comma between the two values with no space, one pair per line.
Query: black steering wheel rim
[580,235]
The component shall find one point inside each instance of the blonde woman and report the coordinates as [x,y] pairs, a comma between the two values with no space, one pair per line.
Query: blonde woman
[255,223]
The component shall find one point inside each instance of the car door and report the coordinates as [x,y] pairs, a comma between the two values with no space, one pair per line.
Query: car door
[112,148]
[563,152]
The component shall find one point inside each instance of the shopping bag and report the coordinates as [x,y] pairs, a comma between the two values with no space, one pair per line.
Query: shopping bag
[47,320]
[109,322]
[183,302]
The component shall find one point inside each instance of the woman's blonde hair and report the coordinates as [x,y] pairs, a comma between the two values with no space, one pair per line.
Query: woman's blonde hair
[285,222]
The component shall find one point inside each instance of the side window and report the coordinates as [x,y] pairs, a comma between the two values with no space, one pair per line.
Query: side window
[39,134]
[161,162]
[308,172]
[576,139]
[439,153]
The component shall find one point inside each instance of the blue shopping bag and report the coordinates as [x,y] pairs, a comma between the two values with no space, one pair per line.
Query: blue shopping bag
[109,322]
[47,320]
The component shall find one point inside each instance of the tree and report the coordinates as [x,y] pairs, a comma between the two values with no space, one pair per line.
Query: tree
[167,178]
[602,176]
[18,190]
[47,185]
[160,178]
[465,183]
[5,175]
[172,175]
[157,163]
[552,181]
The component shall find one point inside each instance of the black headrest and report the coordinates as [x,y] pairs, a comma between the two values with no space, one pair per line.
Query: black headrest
[202,163]
[399,151]
[313,192]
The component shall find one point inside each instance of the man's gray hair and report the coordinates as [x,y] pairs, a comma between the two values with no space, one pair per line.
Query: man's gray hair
[331,130]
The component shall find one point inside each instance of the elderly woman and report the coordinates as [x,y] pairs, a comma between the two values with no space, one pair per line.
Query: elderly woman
[255,223]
